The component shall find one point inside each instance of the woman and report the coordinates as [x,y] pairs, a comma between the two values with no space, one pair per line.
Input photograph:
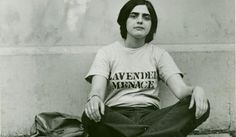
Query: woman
[124,97]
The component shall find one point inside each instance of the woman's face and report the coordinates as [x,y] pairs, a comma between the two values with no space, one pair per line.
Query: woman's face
[139,22]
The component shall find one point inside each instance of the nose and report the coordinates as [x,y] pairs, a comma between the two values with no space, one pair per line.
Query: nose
[139,20]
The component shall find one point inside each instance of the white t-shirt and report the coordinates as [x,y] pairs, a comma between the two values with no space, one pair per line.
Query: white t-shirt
[133,74]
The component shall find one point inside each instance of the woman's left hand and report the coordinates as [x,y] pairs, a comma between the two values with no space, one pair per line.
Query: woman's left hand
[200,100]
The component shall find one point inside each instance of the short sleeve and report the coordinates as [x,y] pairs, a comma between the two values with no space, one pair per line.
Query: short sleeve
[167,67]
[100,66]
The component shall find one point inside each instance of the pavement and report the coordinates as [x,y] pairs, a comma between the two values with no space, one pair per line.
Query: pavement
[206,135]
[211,135]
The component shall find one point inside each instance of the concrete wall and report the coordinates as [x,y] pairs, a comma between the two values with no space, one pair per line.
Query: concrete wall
[93,22]
[46,48]
[38,80]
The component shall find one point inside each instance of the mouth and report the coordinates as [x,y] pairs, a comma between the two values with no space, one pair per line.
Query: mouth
[139,28]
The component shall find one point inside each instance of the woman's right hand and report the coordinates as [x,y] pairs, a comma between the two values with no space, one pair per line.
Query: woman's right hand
[95,108]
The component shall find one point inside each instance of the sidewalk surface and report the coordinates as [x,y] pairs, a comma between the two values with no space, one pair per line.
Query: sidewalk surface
[208,135]
[211,135]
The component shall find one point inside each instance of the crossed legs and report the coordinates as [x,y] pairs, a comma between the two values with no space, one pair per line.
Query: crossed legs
[174,121]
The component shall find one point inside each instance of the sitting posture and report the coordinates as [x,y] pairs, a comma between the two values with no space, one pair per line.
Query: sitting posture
[124,99]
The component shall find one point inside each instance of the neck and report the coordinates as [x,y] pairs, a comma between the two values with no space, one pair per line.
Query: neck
[131,42]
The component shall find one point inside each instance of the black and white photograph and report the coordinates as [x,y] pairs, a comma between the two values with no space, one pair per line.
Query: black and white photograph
[117,68]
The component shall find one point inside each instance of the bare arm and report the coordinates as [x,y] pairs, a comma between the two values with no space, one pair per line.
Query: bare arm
[98,88]
[178,86]
[181,90]
[95,106]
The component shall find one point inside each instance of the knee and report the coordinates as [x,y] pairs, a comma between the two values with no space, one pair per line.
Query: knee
[85,119]
[186,100]
[206,115]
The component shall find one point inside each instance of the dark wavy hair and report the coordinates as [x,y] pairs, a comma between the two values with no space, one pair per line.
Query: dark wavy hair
[124,14]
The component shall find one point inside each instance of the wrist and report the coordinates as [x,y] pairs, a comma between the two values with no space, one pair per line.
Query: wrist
[92,96]
[191,90]
[196,89]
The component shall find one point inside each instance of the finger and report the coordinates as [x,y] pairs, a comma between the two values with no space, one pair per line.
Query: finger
[191,103]
[204,110]
[93,115]
[102,108]
[97,113]
[201,109]
[88,112]
[205,106]
[197,104]
[197,112]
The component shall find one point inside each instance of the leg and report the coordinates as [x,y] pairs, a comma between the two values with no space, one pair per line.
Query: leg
[112,123]
[176,120]
[98,129]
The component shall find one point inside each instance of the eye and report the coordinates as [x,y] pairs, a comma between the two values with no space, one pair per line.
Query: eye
[133,15]
[146,17]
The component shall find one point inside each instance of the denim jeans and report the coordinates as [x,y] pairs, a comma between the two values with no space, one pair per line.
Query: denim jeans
[173,121]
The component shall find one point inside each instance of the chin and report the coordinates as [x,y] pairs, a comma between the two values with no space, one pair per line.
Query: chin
[140,36]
